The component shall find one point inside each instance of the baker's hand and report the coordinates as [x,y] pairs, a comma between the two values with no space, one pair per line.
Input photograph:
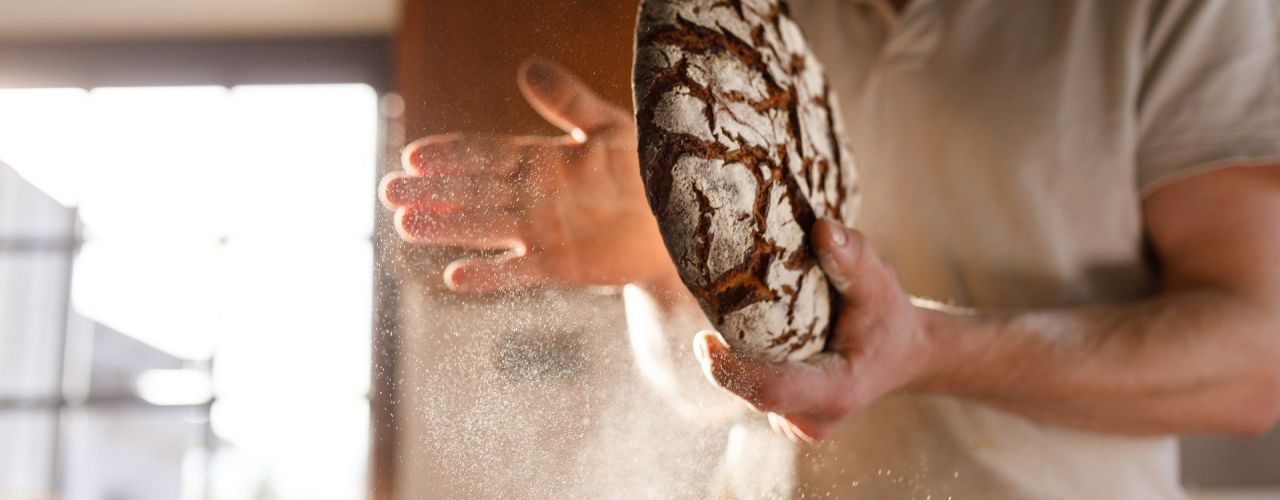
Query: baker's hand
[570,209]
[878,346]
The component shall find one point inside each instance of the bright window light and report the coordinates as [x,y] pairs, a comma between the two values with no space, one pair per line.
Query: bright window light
[170,296]
[228,228]
[38,130]
[155,163]
[304,165]
[174,387]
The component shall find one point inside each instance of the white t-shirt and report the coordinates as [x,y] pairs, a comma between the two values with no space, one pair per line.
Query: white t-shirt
[1004,148]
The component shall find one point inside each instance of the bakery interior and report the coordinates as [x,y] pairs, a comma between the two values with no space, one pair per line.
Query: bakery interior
[201,298]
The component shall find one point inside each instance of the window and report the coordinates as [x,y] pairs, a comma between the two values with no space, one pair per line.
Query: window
[186,293]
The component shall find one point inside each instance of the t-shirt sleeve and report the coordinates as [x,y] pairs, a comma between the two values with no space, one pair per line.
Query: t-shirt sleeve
[1210,91]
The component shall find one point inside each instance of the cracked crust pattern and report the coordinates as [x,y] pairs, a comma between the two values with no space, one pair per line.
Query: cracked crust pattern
[741,153]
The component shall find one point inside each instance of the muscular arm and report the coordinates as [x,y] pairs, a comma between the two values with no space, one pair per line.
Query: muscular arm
[1202,356]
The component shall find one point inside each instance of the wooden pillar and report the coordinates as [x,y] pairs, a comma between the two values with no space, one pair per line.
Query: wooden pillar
[457,59]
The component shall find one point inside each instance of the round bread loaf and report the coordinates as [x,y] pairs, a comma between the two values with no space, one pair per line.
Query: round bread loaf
[741,152]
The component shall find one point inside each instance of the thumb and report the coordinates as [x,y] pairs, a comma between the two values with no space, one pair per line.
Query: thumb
[565,101]
[852,266]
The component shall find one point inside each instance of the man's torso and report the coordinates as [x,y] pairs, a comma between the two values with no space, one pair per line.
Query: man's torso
[996,145]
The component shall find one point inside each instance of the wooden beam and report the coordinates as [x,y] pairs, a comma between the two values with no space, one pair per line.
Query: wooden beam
[457,59]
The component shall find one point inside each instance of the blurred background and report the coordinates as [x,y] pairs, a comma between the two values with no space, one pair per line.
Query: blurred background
[186,262]
[199,298]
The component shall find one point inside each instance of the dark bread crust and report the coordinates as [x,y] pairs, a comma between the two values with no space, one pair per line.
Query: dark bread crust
[741,152]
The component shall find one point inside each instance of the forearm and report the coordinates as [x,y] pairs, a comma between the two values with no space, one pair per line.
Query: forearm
[1197,360]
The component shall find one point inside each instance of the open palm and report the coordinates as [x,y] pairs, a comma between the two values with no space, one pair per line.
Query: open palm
[571,209]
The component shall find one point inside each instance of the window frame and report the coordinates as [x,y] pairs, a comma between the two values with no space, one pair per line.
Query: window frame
[88,64]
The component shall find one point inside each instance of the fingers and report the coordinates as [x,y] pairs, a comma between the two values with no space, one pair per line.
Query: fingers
[467,191]
[493,274]
[812,386]
[454,192]
[850,263]
[565,101]
[476,229]
[434,155]
[496,156]
[801,428]
[806,428]
[781,426]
